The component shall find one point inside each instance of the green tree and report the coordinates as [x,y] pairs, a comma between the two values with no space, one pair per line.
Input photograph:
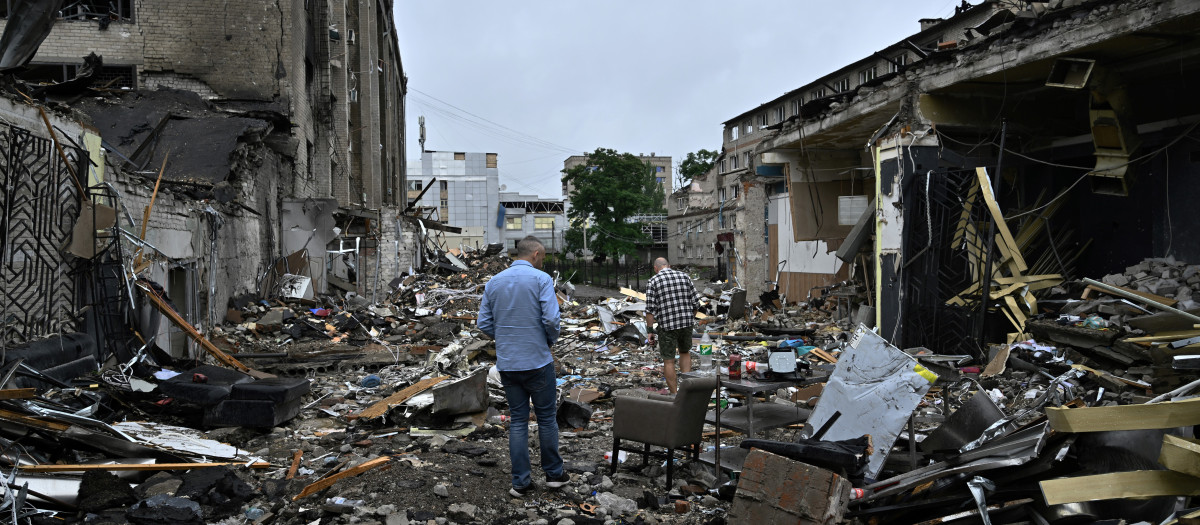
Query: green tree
[694,165]
[610,188]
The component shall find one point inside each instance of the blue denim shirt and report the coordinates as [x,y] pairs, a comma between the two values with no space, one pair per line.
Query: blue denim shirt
[520,311]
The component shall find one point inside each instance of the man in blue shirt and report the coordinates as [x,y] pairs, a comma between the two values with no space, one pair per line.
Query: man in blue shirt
[520,311]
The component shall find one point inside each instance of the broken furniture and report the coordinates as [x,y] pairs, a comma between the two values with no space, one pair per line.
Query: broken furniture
[668,422]
[747,419]
[231,398]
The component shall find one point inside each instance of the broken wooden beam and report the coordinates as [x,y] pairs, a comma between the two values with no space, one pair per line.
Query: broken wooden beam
[380,408]
[191,331]
[329,481]
[1181,455]
[135,466]
[1125,417]
[291,473]
[28,421]
[18,393]
[1119,485]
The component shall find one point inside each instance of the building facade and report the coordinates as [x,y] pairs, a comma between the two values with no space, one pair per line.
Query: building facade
[969,187]
[270,124]
[463,190]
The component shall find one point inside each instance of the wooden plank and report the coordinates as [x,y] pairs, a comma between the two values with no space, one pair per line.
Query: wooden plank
[187,327]
[1119,485]
[1001,226]
[634,294]
[33,422]
[1126,417]
[997,365]
[1146,295]
[136,466]
[1181,455]
[1174,335]
[1018,313]
[291,473]
[146,212]
[1029,279]
[824,356]
[380,408]
[350,472]
[18,393]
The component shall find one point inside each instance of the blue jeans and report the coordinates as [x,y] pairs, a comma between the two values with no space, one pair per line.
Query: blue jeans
[519,388]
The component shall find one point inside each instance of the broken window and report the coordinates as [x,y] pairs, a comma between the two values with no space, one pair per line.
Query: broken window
[816,94]
[735,191]
[842,85]
[513,223]
[108,10]
[866,75]
[680,203]
[898,62]
[415,185]
[108,77]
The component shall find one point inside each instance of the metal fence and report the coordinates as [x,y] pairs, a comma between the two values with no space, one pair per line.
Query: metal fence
[609,273]
[38,206]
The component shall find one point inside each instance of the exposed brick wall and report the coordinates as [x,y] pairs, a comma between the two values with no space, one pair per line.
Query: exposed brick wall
[262,51]
[176,81]
[235,47]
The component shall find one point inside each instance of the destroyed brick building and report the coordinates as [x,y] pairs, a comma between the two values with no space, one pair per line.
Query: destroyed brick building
[1077,110]
[980,237]
[277,128]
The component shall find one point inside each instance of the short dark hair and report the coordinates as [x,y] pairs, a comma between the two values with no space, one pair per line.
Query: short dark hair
[529,245]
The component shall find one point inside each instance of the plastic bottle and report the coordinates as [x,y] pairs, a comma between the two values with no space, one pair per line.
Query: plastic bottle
[706,353]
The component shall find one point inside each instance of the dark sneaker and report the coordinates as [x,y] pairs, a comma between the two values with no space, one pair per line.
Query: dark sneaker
[521,492]
[559,481]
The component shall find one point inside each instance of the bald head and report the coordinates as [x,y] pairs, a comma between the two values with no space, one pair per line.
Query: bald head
[661,263]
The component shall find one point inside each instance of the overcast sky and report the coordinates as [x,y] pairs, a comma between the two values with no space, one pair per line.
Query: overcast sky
[539,80]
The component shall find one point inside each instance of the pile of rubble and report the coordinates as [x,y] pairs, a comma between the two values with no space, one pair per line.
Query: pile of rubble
[335,410]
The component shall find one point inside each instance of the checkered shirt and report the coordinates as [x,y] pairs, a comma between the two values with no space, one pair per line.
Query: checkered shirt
[671,299]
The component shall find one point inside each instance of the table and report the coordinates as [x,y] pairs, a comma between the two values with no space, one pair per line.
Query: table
[748,419]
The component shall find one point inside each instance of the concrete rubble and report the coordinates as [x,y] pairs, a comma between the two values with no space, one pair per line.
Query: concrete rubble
[389,413]
[297,403]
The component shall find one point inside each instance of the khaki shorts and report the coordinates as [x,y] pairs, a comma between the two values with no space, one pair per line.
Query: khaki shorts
[674,342]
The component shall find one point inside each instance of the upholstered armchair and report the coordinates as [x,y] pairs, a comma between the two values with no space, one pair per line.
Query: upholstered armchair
[663,421]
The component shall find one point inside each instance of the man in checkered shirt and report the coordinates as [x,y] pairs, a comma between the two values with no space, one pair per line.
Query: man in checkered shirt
[671,300]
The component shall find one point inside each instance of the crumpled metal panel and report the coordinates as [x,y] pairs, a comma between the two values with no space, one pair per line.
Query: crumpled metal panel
[873,390]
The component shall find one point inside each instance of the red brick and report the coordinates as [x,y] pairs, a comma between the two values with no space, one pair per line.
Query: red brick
[775,489]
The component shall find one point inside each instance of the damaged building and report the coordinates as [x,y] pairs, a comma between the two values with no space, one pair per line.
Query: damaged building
[1026,144]
[228,144]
